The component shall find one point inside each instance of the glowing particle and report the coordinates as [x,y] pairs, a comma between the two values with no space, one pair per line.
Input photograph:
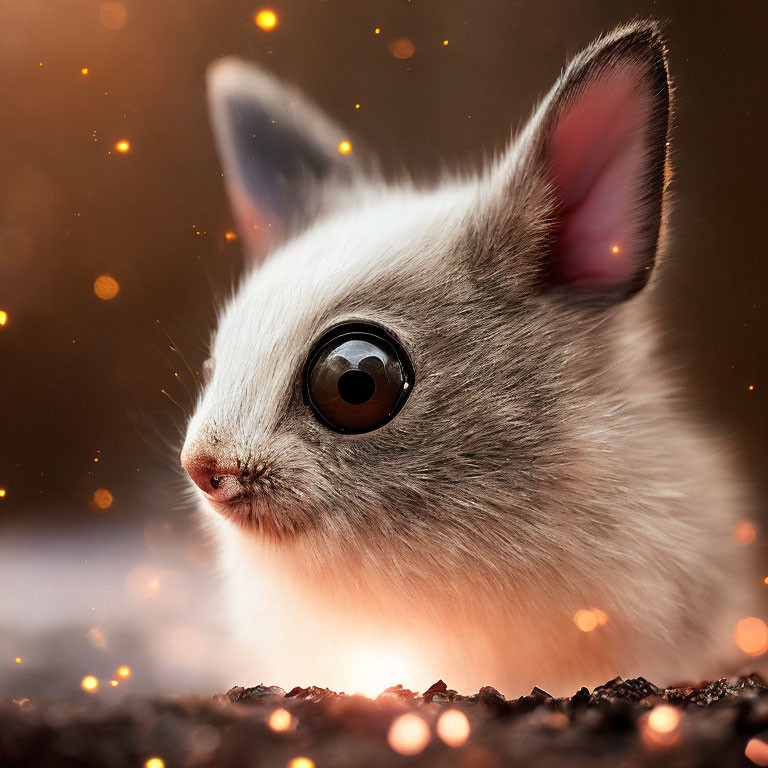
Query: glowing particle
[586,620]
[408,735]
[765,580]
[113,15]
[402,48]
[757,751]
[744,533]
[280,720]
[230,236]
[344,147]
[266,20]
[102,498]
[301,762]
[123,146]
[453,727]
[664,719]
[445,42]
[357,106]
[106,287]
[377,31]
[3,317]
[17,660]
[751,635]
[615,249]
[114,683]
[155,762]
[751,387]
[124,672]
[2,493]
[84,71]
[89,684]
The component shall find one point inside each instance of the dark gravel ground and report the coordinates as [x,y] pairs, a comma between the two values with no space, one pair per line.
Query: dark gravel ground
[608,726]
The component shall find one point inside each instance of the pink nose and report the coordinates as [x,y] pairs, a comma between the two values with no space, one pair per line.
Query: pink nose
[220,483]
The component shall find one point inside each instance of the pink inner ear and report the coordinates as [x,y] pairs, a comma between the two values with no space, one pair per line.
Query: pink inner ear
[597,154]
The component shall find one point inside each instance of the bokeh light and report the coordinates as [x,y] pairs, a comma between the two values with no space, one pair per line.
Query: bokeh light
[402,48]
[113,15]
[3,317]
[344,147]
[744,533]
[84,71]
[453,728]
[751,635]
[17,660]
[124,672]
[123,146]
[102,498]
[664,719]
[280,720]
[408,735]
[266,20]
[155,762]
[2,493]
[301,762]
[106,287]
[89,684]
[589,618]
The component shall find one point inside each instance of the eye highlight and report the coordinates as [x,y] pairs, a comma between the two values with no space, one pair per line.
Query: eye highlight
[357,378]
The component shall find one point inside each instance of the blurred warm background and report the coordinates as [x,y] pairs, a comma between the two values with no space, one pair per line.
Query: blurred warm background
[114,252]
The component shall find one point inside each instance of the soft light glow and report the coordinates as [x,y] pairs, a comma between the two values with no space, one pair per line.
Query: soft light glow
[445,42]
[453,728]
[89,684]
[113,15]
[230,236]
[615,249]
[266,20]
[751,635]
[84,71]
[124,672]
[280,720]
[589,618]
[17,660]
[408,735]
[155,762]
[301,762]
[102,498]
[402,48]
[123,146]
[344,147]
[106,287]
[377,31]
[96,636]
[765,580]
[2,493]
[114,683]
[751,387]
[3,317]
[744,533]
[664,719]
[757,751]
[374,668]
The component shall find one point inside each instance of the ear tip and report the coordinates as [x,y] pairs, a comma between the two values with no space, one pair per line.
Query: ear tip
[231,74]
[641,38]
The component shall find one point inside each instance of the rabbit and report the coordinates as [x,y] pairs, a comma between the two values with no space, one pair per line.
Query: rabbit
[437,422]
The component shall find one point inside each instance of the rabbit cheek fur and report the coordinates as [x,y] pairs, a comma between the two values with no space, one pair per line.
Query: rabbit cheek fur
[542,464]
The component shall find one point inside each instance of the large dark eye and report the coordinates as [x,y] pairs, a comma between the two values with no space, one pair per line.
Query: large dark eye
[357,378]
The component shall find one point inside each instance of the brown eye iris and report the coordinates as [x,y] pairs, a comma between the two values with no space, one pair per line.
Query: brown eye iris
[357,378]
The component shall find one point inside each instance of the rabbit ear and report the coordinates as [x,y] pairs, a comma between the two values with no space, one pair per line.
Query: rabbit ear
[279,153]
[599,143]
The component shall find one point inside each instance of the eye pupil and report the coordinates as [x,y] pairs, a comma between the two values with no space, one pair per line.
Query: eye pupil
[357,378]
[356,387]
